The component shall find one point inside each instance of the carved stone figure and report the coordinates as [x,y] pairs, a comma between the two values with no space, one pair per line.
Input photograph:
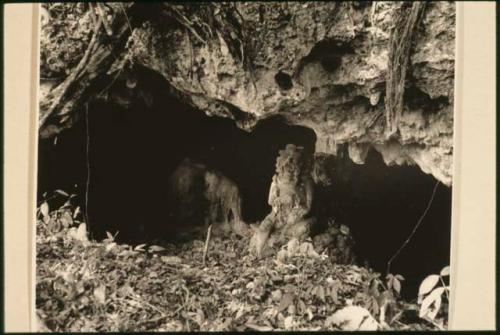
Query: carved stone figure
[290,197]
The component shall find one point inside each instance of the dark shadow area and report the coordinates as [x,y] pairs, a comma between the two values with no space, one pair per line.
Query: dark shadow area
[382,204]
[328,53]
[283,80]
[136,140]
[61,163]
[417,99]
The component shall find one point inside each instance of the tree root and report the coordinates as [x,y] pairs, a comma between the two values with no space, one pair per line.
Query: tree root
[399,56]
[64,99]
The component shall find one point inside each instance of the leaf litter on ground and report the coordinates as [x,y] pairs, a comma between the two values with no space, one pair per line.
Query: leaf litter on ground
[85,285]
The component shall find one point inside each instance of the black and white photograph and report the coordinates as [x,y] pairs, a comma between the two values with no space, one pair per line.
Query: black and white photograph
[244,166]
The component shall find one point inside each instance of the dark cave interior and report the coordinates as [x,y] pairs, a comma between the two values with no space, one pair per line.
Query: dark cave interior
[134,147]
[382,204]
[136,143]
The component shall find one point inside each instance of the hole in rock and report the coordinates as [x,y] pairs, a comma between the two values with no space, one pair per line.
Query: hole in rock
[328,53]
[283,80]
[381,205]
[417,99]
[135,147]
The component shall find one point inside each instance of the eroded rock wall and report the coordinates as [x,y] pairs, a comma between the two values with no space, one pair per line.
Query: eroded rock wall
[322,65]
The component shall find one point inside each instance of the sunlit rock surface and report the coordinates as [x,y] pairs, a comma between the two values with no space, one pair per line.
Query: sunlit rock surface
[321,65]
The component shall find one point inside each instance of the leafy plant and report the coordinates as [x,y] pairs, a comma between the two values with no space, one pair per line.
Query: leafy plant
[380,298]
[394,282]
[430,297]
[88,285]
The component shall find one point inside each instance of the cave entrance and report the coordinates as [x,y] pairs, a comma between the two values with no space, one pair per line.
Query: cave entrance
[382,204]
[136,140]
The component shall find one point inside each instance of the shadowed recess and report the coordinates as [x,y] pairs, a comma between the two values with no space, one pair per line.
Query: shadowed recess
[382,204]
[135,144]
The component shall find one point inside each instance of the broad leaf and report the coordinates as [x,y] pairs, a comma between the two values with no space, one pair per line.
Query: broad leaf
[77,211]
[66,220]
[62,193]
[352,318]
[344,229]
[390,280]
[82,232]
[396,285]
[445,271]
[428,284]
[110,246]
[140,247]
[44,209]
[79,234]
[400,277]
[156,248]
[429,300]
[436,306]
[258,328]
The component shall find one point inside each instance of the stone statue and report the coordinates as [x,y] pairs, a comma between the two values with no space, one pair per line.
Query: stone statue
[290,197]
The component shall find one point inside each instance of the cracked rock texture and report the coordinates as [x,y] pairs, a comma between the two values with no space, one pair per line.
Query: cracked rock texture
[320,65]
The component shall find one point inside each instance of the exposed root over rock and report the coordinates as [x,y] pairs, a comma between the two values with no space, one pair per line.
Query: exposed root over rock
[407,19]
[332,68]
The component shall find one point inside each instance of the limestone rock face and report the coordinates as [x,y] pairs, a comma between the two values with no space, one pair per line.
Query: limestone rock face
[200,197]
[321,65]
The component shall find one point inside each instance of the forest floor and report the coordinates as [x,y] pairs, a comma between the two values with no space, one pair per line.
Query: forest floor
[84,285]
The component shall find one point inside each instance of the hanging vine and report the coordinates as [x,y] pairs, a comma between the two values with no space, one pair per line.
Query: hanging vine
[406,22]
